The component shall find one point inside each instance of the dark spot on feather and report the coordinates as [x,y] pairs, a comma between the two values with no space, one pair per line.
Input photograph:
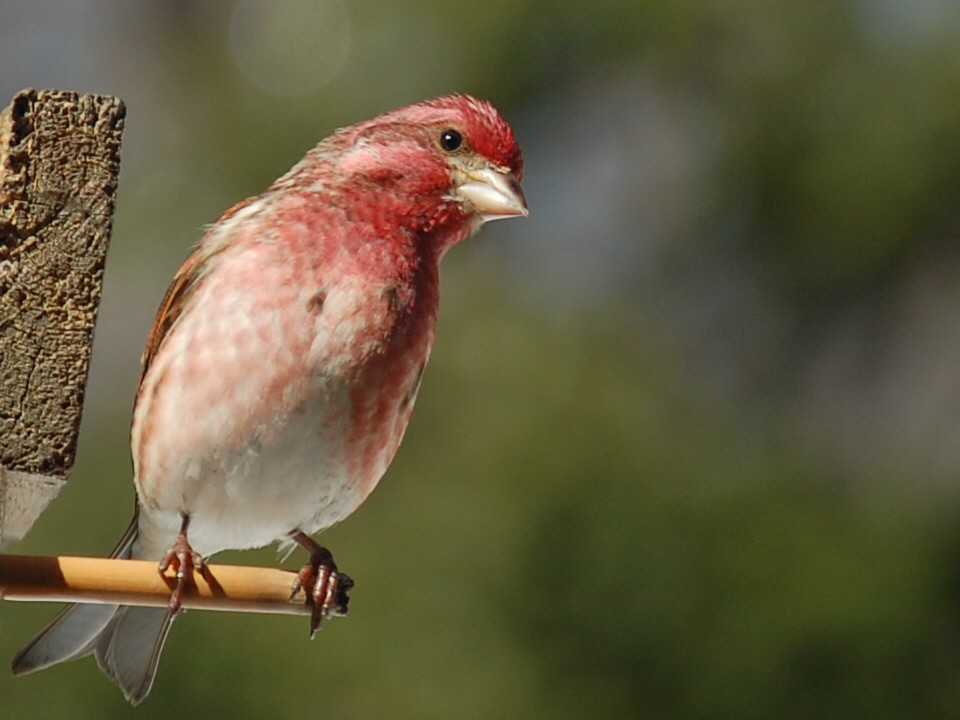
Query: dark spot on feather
[316,301]
[392,296]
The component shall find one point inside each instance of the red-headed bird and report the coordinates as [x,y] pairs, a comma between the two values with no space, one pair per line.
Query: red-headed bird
[284,362]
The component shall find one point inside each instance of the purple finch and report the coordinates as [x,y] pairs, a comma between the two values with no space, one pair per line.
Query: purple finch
[283,364]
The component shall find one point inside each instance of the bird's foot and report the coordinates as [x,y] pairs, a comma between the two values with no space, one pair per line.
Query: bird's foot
[185,561]
[326,587]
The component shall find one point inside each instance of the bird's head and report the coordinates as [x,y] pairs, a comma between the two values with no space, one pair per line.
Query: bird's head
[449,163]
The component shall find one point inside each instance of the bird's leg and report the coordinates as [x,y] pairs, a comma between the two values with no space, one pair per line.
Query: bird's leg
[325,586]
[185,561]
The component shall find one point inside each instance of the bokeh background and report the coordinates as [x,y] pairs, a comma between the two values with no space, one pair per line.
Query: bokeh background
[688,445]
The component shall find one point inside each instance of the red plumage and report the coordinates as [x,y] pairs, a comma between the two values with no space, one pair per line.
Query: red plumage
[284,362]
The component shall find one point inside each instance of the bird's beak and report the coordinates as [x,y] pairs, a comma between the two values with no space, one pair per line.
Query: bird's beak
[494,193]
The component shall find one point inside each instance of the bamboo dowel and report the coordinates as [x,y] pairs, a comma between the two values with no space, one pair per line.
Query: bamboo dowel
[137,582]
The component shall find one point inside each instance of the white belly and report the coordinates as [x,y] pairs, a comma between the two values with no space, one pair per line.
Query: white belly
[291,477]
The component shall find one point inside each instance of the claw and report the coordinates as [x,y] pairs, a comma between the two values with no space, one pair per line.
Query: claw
[326,588]
[185,561]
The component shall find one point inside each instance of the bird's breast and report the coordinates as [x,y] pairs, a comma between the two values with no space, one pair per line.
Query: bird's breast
[266,411]
[383,343]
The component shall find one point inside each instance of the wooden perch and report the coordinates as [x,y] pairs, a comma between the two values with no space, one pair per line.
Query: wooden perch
[137,582]
[59,162]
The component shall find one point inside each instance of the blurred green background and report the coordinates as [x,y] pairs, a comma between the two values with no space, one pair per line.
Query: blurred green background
[687,447]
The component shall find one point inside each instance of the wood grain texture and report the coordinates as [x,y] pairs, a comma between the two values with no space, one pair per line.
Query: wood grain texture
[59,166]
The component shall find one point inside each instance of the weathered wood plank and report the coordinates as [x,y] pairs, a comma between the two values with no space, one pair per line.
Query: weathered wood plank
[59,166]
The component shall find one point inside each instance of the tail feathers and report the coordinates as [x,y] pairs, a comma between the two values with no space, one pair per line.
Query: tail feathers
[75,631]
[129,649]
[73,634]
[127,640]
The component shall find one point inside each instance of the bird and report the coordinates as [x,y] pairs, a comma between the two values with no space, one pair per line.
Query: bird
[282,367]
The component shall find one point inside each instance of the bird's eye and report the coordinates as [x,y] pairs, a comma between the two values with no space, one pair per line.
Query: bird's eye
[450,140]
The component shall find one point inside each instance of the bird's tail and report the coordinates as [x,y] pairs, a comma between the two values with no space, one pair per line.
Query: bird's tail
[126,640]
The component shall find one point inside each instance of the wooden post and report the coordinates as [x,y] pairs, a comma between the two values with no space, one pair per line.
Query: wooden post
[59,163]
